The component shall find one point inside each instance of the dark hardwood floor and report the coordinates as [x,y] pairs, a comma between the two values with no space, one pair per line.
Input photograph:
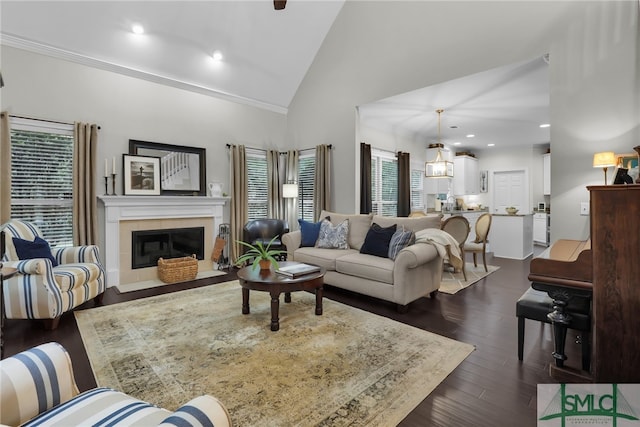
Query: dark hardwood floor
[490,388]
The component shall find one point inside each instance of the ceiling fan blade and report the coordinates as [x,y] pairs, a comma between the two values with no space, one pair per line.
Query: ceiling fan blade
[279,4]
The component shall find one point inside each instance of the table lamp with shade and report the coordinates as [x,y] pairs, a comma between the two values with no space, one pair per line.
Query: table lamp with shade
[604,160]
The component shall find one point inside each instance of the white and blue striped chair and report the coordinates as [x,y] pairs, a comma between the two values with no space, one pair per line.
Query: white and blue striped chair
[42,291]
[37,388]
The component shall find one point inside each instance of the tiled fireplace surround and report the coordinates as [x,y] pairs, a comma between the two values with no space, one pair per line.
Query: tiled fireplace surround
[124,214]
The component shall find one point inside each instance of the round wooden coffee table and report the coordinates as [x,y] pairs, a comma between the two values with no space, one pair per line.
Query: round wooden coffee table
[275,284]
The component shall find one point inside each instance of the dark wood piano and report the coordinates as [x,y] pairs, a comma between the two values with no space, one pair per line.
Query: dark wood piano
[607,267]
[565,272]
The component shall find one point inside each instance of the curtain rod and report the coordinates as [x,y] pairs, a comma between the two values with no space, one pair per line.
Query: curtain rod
[283,152]
[44,120]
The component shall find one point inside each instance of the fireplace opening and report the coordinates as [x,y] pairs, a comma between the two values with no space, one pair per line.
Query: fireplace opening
[148,246]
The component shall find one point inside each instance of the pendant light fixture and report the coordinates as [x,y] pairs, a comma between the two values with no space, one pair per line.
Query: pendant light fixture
[439,168]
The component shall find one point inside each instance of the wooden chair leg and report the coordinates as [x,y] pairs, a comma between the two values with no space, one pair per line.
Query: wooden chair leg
[475,263]
[402,308]
[484,261]
[464,270]
[51,324]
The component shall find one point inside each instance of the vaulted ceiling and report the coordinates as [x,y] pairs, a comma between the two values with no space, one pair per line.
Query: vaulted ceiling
[266,54]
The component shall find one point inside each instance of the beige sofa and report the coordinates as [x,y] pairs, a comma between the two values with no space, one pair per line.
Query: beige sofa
[416,271]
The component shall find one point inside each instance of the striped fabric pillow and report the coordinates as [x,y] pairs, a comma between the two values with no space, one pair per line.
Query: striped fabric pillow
[400,239]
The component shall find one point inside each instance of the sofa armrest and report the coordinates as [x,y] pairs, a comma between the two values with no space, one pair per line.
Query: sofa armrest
[201,411]
[39,378]
[75,254]
[292,241]
[415,255]
[38,266]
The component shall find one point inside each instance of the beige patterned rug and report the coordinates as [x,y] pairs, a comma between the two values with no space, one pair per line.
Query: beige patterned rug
[346,367]
[454,282]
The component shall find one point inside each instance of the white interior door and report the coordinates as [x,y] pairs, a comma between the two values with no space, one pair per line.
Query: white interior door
[511,188]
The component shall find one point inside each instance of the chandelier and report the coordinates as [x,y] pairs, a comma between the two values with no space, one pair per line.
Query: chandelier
[439,168]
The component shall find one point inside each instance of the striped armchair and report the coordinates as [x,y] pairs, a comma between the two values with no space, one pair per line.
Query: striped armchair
[38,389]
[42,291]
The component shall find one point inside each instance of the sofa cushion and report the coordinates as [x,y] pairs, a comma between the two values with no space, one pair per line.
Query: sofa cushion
[377,240]
[333,236]
[39,248]
[309,231]
[325,258]
[366,266]
[400,239]
[413,224]
[359,225]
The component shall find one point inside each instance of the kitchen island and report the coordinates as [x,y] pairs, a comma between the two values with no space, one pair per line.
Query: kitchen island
[511,236]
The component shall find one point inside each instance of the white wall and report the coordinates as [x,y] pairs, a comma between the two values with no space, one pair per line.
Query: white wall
[595,104]
[126,108]
[379,49]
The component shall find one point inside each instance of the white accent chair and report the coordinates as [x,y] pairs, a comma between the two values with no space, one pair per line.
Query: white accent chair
[42,291]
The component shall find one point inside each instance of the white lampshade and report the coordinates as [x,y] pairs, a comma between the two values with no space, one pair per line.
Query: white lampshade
[289,191]
[604,159]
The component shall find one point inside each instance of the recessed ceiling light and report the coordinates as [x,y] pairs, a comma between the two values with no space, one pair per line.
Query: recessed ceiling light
[491,145]
[545,125]
[137,29]
[453,127]
[457,143]
[471,135]
[217,56]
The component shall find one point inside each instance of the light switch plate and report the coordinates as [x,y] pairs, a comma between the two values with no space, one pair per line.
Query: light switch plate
[584,208]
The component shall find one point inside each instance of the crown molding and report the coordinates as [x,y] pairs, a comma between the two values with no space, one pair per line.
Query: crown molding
[44,49]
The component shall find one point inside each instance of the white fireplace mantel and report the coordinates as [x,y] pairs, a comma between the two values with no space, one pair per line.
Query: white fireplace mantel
[125,208]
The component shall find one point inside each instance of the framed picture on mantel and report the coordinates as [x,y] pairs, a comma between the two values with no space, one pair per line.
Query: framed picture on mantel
[141,175]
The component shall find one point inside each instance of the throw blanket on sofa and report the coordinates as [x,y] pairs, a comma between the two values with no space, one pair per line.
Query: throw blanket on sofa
[444,243]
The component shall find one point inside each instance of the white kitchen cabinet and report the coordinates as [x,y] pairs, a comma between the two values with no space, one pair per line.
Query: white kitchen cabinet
[540,228]
[466,176]
[437,185]
[546,174]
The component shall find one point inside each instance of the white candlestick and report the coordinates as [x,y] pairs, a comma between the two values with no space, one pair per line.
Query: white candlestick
[114,165]
[106,168]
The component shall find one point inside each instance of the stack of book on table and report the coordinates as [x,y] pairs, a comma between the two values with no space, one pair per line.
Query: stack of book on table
[296,270]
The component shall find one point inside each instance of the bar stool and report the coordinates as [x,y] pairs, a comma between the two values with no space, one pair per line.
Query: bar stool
[536,305]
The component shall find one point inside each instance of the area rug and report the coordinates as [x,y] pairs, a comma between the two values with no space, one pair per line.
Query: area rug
[345,367]
[154,283]
[454,282]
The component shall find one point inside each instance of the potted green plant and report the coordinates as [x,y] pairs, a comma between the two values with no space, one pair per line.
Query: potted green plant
[261,255]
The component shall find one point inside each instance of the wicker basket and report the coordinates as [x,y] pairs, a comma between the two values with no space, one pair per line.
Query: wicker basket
[178,269]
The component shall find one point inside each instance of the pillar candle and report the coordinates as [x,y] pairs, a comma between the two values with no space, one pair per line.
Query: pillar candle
[114,166]
[106,168]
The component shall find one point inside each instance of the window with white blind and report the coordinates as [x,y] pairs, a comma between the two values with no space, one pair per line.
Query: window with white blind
[384,183]
[42,177]
[417,197]
[306,184]
[257,184]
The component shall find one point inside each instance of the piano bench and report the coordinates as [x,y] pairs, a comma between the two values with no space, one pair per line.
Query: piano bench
[536,305]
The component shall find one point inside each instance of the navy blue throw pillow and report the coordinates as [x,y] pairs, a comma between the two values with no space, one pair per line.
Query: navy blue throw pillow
[377,240]
[310,231]
[39,248]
